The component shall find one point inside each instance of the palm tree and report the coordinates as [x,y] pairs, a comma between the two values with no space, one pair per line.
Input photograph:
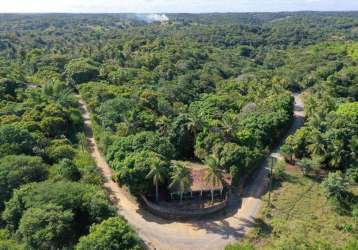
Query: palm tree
[317,146]
[316,121]
[59,93]
[194,124]
[305,165]
[287,151]
[337,152]
[180,178]
[157,173]
[228,124]
[214,175]
[82,141]
[162,123]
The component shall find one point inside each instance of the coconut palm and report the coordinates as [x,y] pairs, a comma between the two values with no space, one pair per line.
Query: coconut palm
[287,151]
[336,155]
[305,165]
[82,141]
[59,93]
[194,124]
[215,174]
[316,120]
[228,124]
[180,178]
[317,146]
[157,173]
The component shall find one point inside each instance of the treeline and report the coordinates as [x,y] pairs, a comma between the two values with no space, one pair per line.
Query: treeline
[195,88]
[50,188]
[329,138]
[163,101]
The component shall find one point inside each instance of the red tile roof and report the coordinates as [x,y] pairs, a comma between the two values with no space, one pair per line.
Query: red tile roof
[198,173]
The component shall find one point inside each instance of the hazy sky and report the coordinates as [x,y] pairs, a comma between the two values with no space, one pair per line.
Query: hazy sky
[173,5]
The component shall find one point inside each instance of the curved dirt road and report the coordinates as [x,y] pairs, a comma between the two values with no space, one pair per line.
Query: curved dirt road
[213,233]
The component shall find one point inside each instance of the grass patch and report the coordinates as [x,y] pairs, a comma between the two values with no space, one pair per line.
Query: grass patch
[300,216]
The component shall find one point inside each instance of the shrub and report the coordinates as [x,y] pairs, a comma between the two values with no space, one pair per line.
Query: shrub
[46,227]
[335,185]
[17,170]
[59,152]
[279,170]
[112,234]
[14,140]
[67,170]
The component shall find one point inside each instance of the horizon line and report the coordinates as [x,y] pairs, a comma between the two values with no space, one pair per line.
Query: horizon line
[194,13]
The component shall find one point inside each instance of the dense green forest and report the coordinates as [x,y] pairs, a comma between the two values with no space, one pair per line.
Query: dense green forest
[198,87]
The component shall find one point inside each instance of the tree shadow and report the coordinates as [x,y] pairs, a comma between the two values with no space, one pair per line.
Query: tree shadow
[261,227]
[233,229]
[277,182]
[290,178]
[316,177]
[227,224]
[230,210]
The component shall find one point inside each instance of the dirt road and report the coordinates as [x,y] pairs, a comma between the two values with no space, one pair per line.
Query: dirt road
[212,233]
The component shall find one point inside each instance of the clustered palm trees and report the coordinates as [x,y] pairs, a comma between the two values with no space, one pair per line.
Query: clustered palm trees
[180,177]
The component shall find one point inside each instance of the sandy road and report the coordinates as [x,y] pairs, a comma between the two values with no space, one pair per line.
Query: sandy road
[214,233]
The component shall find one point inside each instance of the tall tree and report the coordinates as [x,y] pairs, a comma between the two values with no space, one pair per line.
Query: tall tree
[287,151]
[194,124]
[157,173]
[180,179]
[336,155]
[228,123]
[317,143]
[215,174]
[59,93]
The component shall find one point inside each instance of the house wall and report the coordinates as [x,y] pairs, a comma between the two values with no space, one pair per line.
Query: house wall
[171,213]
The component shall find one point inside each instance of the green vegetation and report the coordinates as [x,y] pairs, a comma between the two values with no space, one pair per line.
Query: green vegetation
[214,175]
[183,101]
[50,188]
[111,234]
[316,209]
[210,88]
[301,217]
[180,178]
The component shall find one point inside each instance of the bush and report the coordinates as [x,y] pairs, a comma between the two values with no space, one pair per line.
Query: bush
[67,170]
[7,242]
[88,203]
[59,152]
[53,126]
[14,140]
[335,185]
[81,70]
[352,175]
[133,170]
[88,169]
[17,170]
[279,170]
[46,227]
[112,234]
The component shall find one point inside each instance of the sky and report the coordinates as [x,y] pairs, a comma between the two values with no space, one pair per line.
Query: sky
[174,6]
